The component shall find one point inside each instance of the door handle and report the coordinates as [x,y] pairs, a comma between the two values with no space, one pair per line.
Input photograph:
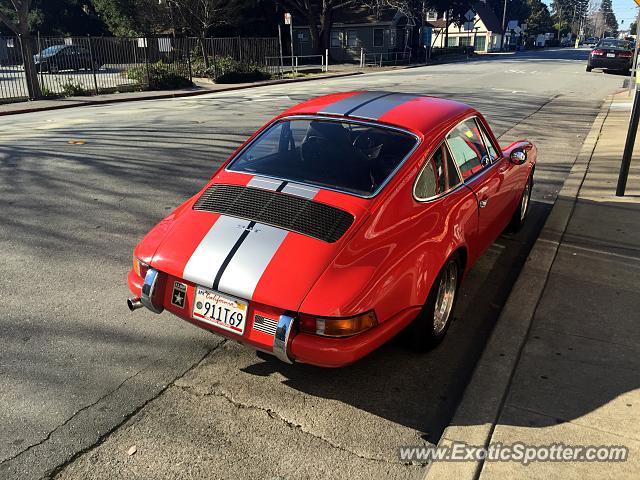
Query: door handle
[483,203]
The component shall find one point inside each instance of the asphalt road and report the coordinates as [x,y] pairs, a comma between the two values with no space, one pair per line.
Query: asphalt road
[82,379]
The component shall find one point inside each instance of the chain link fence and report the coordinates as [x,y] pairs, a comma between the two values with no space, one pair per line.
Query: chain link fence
[68,66]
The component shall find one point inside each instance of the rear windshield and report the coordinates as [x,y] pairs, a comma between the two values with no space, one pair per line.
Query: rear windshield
[350,157]
[614,44]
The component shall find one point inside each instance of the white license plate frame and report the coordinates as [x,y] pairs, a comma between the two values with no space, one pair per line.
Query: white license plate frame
[220,310]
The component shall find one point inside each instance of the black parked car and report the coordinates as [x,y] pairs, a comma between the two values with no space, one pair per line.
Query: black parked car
[65,57]
[611,54]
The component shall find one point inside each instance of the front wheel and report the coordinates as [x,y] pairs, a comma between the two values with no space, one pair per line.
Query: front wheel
[432,323]
[520,215]
[589,68]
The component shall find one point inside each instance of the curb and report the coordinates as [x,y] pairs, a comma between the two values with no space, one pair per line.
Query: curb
[97,101]
[479,409]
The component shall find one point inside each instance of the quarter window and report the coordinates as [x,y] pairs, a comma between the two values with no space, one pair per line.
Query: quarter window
[437,176]
[468,148]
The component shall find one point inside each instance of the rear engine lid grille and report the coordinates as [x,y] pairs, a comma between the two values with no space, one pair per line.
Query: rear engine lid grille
[278,209]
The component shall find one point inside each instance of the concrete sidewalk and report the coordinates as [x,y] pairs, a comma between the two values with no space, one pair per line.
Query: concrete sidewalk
[563,363]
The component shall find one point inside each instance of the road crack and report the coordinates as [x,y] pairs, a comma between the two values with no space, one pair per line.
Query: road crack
[103,437]
[75,414]
[296,426]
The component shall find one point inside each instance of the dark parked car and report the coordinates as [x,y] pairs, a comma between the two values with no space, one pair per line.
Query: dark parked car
[65,57]
[611,54]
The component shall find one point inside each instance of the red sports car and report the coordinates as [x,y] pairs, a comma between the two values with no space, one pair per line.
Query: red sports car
[339,223]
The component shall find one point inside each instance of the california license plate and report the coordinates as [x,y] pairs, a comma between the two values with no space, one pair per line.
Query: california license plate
[611,55]
[223,311]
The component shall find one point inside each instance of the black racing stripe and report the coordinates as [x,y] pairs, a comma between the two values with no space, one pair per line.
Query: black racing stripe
[231,253]
[341,107]
[281,187]
[366,103]
[376,108]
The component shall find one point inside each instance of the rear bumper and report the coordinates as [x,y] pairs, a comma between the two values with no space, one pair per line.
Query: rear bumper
[610,63]
[287,343]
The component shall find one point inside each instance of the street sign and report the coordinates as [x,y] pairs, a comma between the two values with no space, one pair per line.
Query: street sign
[427,35]
[470,15]
[287,18]
[468,26]
[512,24]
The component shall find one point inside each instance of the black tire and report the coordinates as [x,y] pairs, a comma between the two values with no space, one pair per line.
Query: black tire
[520,215]
[589,68]
[426,332]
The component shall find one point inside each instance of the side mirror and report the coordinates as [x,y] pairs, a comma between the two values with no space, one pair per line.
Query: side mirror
[518,157]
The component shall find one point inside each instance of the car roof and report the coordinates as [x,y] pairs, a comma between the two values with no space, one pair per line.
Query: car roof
[417,113]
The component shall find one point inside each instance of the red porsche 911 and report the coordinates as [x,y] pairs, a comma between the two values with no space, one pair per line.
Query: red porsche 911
[339,223]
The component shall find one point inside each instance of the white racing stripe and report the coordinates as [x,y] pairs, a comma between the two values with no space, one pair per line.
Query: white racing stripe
[264,183]
[245,269]
[213,249]
[300,190]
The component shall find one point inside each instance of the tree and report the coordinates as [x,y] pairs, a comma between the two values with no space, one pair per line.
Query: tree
[319,16]
[539,19]
[609,17]
[18,22]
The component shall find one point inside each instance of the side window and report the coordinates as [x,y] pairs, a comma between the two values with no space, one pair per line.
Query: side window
[437,176]
[493,154]
[468,148]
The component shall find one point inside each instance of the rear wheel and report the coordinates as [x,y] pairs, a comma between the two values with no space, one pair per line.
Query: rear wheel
[520,215]
[431,325]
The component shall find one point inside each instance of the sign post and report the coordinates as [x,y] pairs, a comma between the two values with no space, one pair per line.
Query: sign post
[469,16]
[631,133]
[289,21]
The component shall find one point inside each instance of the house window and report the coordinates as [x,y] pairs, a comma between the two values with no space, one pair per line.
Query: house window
[481,43]
[432,16]
[336,38]
[453,42]
[352,38]
[303,36]
[378,37]
[464,41]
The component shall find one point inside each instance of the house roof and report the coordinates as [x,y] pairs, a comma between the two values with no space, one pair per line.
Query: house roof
[488,17]
[357,15]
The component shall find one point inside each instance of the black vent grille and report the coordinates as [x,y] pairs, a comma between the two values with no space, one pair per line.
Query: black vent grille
[278,209]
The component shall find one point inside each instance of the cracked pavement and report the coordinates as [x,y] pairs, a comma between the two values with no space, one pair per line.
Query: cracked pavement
[82,379]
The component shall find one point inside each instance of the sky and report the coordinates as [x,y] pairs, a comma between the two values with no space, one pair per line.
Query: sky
[624,9]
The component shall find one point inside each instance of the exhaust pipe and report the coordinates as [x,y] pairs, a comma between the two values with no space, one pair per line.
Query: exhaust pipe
[134,303]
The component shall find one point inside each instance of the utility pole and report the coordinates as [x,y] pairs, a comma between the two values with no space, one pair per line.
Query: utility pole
[504,24]
[559,21]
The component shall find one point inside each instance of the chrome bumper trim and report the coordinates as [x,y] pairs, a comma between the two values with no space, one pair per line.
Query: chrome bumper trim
[148,289]
[282,338]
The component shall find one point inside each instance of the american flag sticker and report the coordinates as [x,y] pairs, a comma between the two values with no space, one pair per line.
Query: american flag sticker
[265,325]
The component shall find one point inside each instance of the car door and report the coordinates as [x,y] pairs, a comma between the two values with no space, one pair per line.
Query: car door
[485,172]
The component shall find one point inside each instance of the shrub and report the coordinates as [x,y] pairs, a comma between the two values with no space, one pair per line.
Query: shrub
[71,89]
[161,76]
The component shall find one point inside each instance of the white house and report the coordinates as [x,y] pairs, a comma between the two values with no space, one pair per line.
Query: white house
[484,32]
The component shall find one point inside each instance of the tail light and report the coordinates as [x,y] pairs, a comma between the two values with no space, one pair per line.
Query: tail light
[626,54]
[597,52]
[140,267]
[337,327]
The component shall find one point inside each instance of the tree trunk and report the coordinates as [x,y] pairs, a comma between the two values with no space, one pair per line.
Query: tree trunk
[30,71]
[326,20]
[203,50]
[315,34]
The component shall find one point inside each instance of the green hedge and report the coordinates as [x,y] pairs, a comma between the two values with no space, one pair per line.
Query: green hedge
[161,76]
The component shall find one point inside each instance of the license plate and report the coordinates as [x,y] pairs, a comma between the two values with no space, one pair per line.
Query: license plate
[611,55]
[223,311]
